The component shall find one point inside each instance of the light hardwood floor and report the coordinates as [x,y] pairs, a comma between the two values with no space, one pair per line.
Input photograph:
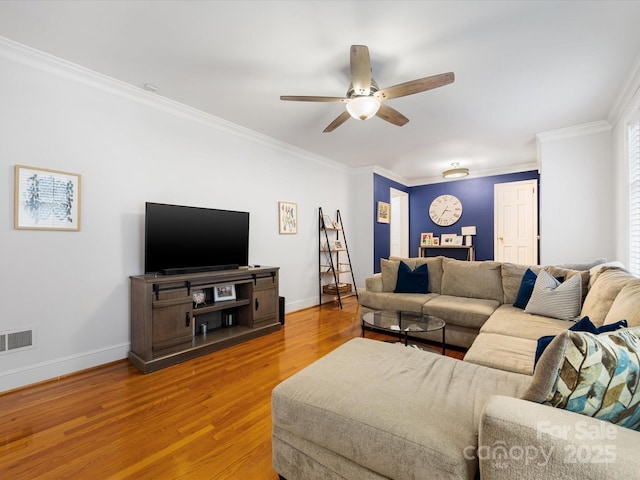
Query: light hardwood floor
[209,418]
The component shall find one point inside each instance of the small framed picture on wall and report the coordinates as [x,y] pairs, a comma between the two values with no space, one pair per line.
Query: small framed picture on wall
[384,212]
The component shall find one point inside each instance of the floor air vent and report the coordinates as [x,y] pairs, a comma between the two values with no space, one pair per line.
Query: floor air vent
[11,341]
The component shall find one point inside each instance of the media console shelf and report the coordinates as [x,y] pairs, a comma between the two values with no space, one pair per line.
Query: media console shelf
[169,324]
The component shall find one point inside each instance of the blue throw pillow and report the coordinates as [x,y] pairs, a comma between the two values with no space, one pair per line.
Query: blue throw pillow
[412,281]
[583,325]
[526,289]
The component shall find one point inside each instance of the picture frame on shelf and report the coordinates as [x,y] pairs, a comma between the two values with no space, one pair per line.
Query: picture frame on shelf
[435,241]
[46,199]
[448,239]
[223,293]
[384,212]
[337,245]
[288,218]
[326,221]
[426,239]
[458,240]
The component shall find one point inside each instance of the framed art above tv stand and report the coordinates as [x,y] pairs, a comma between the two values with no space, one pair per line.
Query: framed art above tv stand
[179,317]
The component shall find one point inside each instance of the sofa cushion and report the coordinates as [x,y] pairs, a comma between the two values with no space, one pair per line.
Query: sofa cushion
[503,352]
[595,375]
[603,292]
[512,321]
[481,279]
[626,305]
[554,299]
[467,312]
[511,279]
[412,281]
[389,271]
[399,412]
[407,302]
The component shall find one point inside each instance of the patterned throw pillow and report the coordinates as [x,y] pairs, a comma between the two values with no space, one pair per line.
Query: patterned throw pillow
[594,375]
[551,298]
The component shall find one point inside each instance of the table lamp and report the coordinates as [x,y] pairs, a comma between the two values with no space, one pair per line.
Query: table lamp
[468,232]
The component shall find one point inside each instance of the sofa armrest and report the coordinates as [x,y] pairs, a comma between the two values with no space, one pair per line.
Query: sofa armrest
[374,284]
[526,440]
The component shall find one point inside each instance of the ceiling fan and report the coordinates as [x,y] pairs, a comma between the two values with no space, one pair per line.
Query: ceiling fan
[365,99]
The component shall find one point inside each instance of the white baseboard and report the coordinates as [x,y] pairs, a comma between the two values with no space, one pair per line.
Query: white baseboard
[53,369]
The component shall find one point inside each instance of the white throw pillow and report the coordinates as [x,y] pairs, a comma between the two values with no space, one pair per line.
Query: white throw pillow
[551,298]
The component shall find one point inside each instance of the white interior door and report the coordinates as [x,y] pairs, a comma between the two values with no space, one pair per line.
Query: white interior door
[399,224]
[516,222]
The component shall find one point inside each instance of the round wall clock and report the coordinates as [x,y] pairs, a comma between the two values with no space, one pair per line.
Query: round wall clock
[445,210]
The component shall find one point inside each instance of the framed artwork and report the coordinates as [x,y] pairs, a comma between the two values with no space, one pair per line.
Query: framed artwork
[224,292]
[326,219]
[288,217]
[426,239]
[448,239]
[337,245]
[435,241]
[46,199]
[384,212]
[457,240]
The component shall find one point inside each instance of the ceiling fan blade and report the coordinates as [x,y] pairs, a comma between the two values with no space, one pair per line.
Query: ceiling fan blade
[415,86]
[343,117]
[360,70]
[303,98]
[387,113]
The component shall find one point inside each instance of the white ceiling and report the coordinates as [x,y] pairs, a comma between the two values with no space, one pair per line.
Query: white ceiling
[521,67]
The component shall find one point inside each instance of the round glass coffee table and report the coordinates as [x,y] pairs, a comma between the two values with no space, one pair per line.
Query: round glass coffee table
[402,323]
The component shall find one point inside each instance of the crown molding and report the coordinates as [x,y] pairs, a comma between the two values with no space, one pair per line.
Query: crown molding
[626,94]
[592,128]
[521,167]
[51,64]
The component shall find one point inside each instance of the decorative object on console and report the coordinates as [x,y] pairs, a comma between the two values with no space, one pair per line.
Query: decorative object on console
[448,238]
[426,239]
[199,298]
[384,210]
[46,199]
[224,292]
[468,233]
[288,217]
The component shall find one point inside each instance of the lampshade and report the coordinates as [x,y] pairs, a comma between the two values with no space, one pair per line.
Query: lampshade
[363,107]
[455,172]
[468,230]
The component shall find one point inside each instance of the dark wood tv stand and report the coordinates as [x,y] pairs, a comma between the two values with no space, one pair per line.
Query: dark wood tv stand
[167,323]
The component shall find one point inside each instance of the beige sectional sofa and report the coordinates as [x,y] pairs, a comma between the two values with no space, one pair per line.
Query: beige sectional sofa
[373,410]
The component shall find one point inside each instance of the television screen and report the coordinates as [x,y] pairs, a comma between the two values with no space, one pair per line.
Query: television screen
[192,238]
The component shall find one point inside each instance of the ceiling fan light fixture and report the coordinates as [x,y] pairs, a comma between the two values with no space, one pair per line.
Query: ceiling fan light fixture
[363,107]
[455,172]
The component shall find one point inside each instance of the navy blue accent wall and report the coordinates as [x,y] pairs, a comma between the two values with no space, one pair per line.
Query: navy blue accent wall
[381,233]
[476,195]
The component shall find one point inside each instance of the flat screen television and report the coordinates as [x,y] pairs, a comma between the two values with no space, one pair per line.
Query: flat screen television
[181,239]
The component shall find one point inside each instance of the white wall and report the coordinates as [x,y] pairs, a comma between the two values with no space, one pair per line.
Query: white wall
[131,146]
[576,201]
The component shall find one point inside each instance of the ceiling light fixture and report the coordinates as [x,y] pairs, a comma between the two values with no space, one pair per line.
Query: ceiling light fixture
[363,107]
[456,171]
